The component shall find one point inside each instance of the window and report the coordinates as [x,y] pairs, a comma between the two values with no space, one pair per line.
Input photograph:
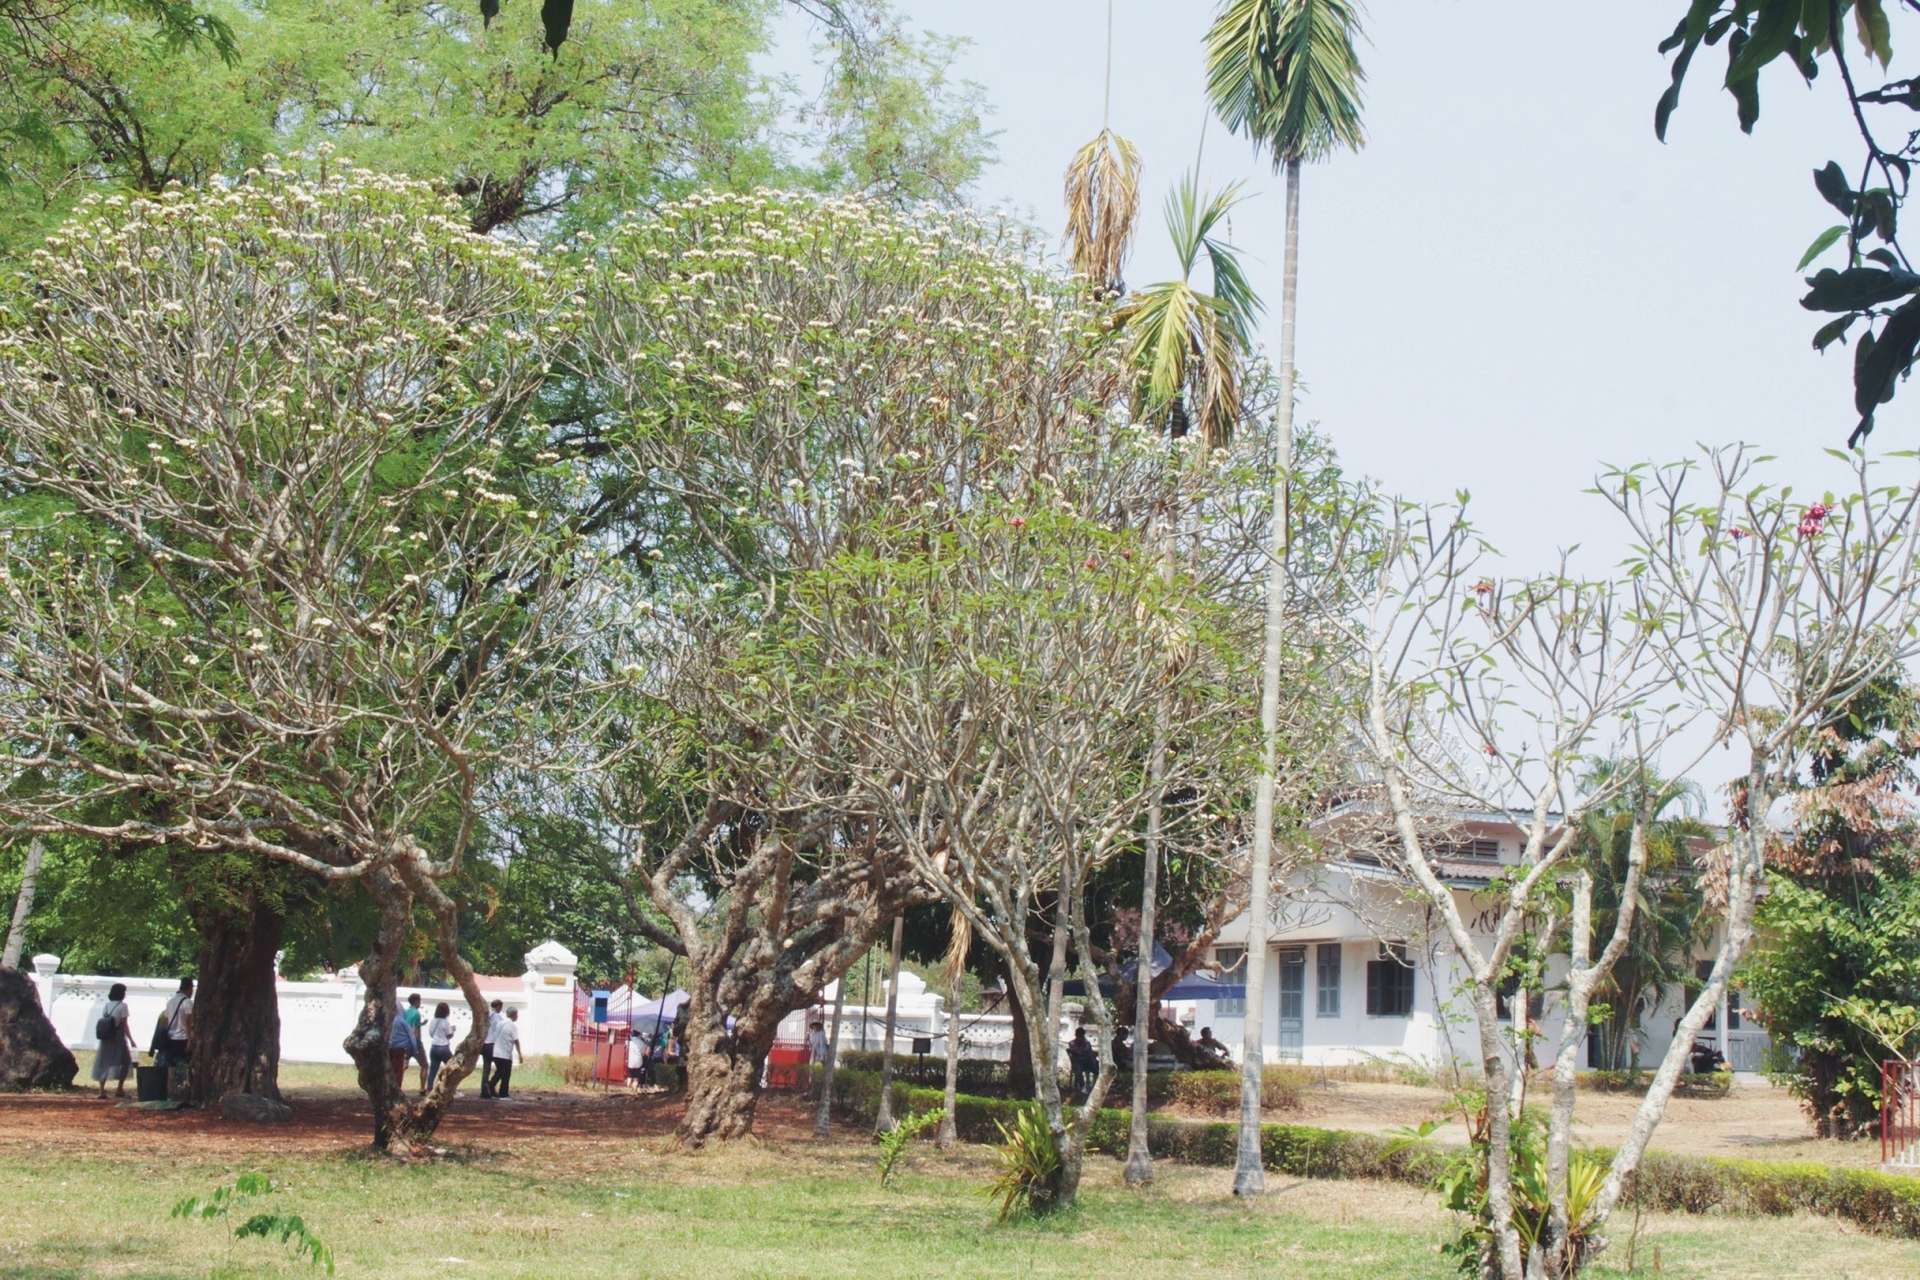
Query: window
[1390,982]
[1704,970]
[1327,979]
[1232,962]
[1478,849]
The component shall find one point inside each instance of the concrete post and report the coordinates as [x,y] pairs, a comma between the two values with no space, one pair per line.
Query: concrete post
[546,1028]
[46,977]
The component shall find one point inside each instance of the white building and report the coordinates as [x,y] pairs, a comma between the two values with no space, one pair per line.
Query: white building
[1359,968]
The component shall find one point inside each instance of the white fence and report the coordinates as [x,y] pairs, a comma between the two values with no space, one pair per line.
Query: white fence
[315,1017]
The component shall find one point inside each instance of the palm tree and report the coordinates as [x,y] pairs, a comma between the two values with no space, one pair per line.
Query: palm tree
[1666,911]
[1285,74]
[1188,347]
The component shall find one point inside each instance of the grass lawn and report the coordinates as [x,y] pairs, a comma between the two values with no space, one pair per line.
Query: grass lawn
[573,1182]
[620,1205]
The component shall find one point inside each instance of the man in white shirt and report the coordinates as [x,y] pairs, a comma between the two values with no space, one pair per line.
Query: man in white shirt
[636,1056]
[506,1043]
[494,1020]
[179,1019]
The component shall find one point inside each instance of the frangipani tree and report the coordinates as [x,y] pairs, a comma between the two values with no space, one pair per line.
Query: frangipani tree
[262,586]
[1285,74]
[779,372]
[1742,610]
[987,679]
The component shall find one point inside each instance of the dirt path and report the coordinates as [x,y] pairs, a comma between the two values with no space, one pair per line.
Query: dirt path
[1760,1122]
[334,1120]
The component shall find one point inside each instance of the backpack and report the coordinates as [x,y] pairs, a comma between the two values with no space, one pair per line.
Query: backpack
[107,1028]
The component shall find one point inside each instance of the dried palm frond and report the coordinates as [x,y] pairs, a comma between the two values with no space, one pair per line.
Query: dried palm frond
[1102,191]
[959,942]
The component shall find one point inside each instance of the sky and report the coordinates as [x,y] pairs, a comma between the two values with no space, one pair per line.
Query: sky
[1513,284]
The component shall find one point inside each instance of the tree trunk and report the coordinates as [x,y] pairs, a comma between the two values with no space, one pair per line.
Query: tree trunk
[31,1054]
[366,1044]
[883,1119]
[1020,1078]
[1139,1167]
[723,1076]
[1249,1178]
[823,1113]
[236,1003]
[948,1135]
[23,905]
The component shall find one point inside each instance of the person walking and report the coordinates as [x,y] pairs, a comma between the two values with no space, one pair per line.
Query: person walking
[636,1056]
[494,1019]
[506,1043]
[817,1050]
[114,1057]
[399,1048]
[440,1036]
[415,1021]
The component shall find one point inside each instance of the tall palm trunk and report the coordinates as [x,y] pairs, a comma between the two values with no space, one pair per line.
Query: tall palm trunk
[883,1120]
[823,1112]
[1139,1170]
[23,905]
[1248,1176]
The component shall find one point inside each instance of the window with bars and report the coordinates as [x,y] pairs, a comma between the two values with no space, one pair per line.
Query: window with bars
[1703,970]
[1390,982]
[1326,987]
[1232,962]
[1476,849]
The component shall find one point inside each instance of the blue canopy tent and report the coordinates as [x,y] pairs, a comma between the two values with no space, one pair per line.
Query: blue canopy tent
[1195,986]
[657,1014]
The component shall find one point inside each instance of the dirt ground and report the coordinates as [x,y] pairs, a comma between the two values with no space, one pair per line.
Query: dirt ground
[332,1119]
[1756,1121]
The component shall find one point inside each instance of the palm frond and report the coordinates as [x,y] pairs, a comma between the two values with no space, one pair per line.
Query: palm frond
[1102,190]
[1158,321]
[959,942]
[1285,74]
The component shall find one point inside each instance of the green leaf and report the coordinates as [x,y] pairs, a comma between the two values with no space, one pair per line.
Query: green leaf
[1821,243]
[1876,34]
[1834,187]
[1765,41]
[1832,331]
[1879,365]
[1857,288]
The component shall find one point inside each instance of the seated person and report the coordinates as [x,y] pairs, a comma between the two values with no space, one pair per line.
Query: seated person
[1212,1050]
[1085,1061]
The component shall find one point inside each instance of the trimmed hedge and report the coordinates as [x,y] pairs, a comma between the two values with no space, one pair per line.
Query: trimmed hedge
[1886,1203]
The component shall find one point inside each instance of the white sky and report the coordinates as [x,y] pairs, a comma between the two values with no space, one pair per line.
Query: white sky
[1513,283]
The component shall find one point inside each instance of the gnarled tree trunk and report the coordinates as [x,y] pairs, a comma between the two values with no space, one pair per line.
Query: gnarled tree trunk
[236,1003]
[724,1068]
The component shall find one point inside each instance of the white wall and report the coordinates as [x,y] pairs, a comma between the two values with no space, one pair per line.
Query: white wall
[315,1017]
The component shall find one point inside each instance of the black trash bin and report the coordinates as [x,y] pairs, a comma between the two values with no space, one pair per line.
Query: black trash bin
[150,1084]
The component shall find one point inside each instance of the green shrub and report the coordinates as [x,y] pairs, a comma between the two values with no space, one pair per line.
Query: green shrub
[1888,1204]
[1218,1092]
[1028,1177]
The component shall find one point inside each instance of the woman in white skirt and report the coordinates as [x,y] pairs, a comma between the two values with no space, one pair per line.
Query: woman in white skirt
[114,1057]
